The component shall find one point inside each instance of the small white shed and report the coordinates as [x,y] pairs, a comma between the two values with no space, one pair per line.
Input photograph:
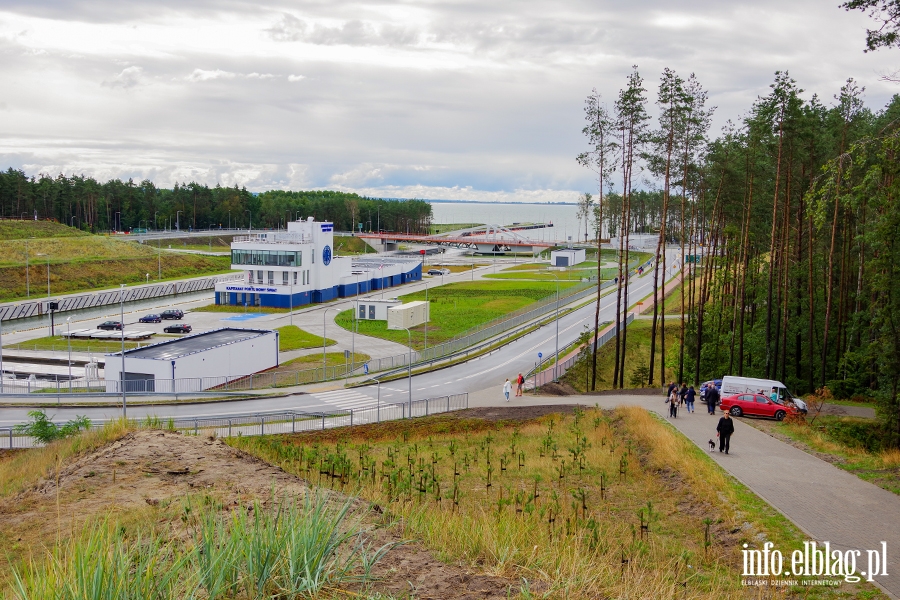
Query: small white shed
[408,315]
[375,310]
[568,257]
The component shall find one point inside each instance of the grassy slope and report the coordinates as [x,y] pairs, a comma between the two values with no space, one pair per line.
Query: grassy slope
[637,353]
[532,523]
[20,230]
[81,262]
[345,244]
[292,337]
[544,275]
[458,307]
[312,361]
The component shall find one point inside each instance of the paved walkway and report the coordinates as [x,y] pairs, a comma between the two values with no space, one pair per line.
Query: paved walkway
[825,502]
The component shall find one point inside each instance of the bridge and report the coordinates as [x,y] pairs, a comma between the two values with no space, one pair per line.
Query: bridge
[494,240]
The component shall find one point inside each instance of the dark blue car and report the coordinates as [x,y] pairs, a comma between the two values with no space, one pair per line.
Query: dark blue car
[706,384]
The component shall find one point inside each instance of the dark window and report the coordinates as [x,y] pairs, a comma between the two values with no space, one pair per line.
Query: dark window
[362,311]
[371,311]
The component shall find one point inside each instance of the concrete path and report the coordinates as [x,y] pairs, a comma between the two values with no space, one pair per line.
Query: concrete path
[825,502]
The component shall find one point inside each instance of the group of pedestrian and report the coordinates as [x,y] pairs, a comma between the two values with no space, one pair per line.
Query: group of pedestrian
[520,386]
[686,395]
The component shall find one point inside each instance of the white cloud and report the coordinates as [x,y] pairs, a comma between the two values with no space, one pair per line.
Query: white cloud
[205,75]
[296,78]
[127,78]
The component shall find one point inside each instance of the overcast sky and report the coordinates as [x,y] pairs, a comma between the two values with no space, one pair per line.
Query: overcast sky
[430,99]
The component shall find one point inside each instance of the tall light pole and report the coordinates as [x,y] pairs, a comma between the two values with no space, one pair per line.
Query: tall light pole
[324,341]
[249,221]
[118,220]
[27,273]
[122,323]
[353,325]
[178,219]
[159,259]
[229,220]
[556,364]
[155,226]
[49,312]
[69,343]
[291,297]
[426,315]
[409,370]
[1,354]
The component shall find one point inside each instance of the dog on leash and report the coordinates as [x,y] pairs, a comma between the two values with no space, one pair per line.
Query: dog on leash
[712,446]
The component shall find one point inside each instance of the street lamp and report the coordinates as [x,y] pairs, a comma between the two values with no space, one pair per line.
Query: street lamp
[118,220]
[324,341]
[155,227]
[69,343]
[409,371]
[27,273]
[250,220]
[1,354]
[72,221]
[49,311]
[178,220]
[122,323]
[556,365]
[426,316]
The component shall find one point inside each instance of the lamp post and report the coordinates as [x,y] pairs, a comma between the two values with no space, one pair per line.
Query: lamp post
[49,311]
[229,220]
[249,221]
[556,364]
[118,220]
[291,298]
[158,259]
[426,316]
[324,341]
[27,273]
[72,221]
[69,343]
[353,325]
[409,371]
[1,354]
[122,323]
[155,226]
[178,219]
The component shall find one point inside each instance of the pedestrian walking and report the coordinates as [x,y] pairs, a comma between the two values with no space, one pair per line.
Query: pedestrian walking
[712,399]
[507,387]
[682,392]
[520,384]
[724,430]
[672,386]
[673,401]
[689,399]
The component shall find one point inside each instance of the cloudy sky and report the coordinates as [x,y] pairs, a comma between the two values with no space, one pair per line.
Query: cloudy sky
[429,99]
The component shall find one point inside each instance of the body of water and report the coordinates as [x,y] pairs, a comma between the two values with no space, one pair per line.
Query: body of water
[563,216]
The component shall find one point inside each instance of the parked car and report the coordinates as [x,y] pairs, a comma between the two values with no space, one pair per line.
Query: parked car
[150,319]
[172,314]
[110,325]
[178,328]
[438,272]
[756,405]
[732,385]
[706,384]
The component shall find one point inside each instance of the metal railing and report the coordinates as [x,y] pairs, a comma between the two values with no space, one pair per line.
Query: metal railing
[280,422]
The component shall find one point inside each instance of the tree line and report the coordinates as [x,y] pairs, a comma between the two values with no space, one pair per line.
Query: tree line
[117,205]
[795,210]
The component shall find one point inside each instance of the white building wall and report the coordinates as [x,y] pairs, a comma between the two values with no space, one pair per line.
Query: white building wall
[408,315]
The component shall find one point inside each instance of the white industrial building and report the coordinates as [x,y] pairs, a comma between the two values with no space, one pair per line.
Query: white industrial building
[568,257]
[408,315]
[371,309]
[297,267]
[195,362]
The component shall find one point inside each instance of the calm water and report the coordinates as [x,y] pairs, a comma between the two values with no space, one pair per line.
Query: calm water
[563,216]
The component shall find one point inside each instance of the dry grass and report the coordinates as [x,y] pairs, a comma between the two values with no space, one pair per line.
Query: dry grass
[27,468]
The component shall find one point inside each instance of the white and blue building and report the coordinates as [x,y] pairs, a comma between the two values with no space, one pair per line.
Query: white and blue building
[298,266]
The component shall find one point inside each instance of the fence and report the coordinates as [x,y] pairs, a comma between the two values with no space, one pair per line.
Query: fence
[541,375]
[280,422]
[81,301]
[275,379]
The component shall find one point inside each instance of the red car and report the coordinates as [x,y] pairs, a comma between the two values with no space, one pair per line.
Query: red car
[756,405]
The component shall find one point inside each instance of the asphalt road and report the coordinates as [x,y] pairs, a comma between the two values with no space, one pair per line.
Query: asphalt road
[486,372]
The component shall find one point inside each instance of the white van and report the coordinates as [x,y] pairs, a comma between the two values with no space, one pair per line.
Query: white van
[732,385]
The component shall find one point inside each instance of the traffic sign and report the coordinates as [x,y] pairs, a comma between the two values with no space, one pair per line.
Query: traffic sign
[540,355]
[366,368]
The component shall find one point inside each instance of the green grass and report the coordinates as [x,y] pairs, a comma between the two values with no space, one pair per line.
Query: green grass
[548,275]
[291,337]
[58,343]
[457,307]
[313,361]
[21,230]
[345,245]
[300,547]
[230,309]
[637,354]
[544,516]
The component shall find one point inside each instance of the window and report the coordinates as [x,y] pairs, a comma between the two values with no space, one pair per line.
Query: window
[259,276]
[284,278]
[271,278]
[362,311]
[762,399]
[371,311]
[295,277]
[280,258]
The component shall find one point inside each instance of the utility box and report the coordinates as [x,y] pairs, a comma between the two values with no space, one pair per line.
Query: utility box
[407,315]
[375,310]
[567,258]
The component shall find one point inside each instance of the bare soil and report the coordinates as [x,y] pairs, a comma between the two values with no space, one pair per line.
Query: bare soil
[149,468]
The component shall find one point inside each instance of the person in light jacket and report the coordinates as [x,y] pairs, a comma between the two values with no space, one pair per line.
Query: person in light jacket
[724,430]
[507,388]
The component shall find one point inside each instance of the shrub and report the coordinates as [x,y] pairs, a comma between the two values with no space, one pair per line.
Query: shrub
[44,430]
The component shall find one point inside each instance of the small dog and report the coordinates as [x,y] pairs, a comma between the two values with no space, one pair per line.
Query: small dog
[712,446]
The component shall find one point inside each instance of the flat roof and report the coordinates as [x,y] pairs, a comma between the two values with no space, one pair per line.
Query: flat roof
[192,344]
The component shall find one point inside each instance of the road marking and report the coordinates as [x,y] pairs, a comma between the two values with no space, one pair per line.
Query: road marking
[346,399]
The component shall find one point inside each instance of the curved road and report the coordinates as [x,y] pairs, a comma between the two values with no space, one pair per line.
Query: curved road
[489,371]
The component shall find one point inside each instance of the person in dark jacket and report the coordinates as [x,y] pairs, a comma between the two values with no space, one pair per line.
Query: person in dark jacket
[724,430]
[712,399]
[682,393]
[672,386]
[689,399]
